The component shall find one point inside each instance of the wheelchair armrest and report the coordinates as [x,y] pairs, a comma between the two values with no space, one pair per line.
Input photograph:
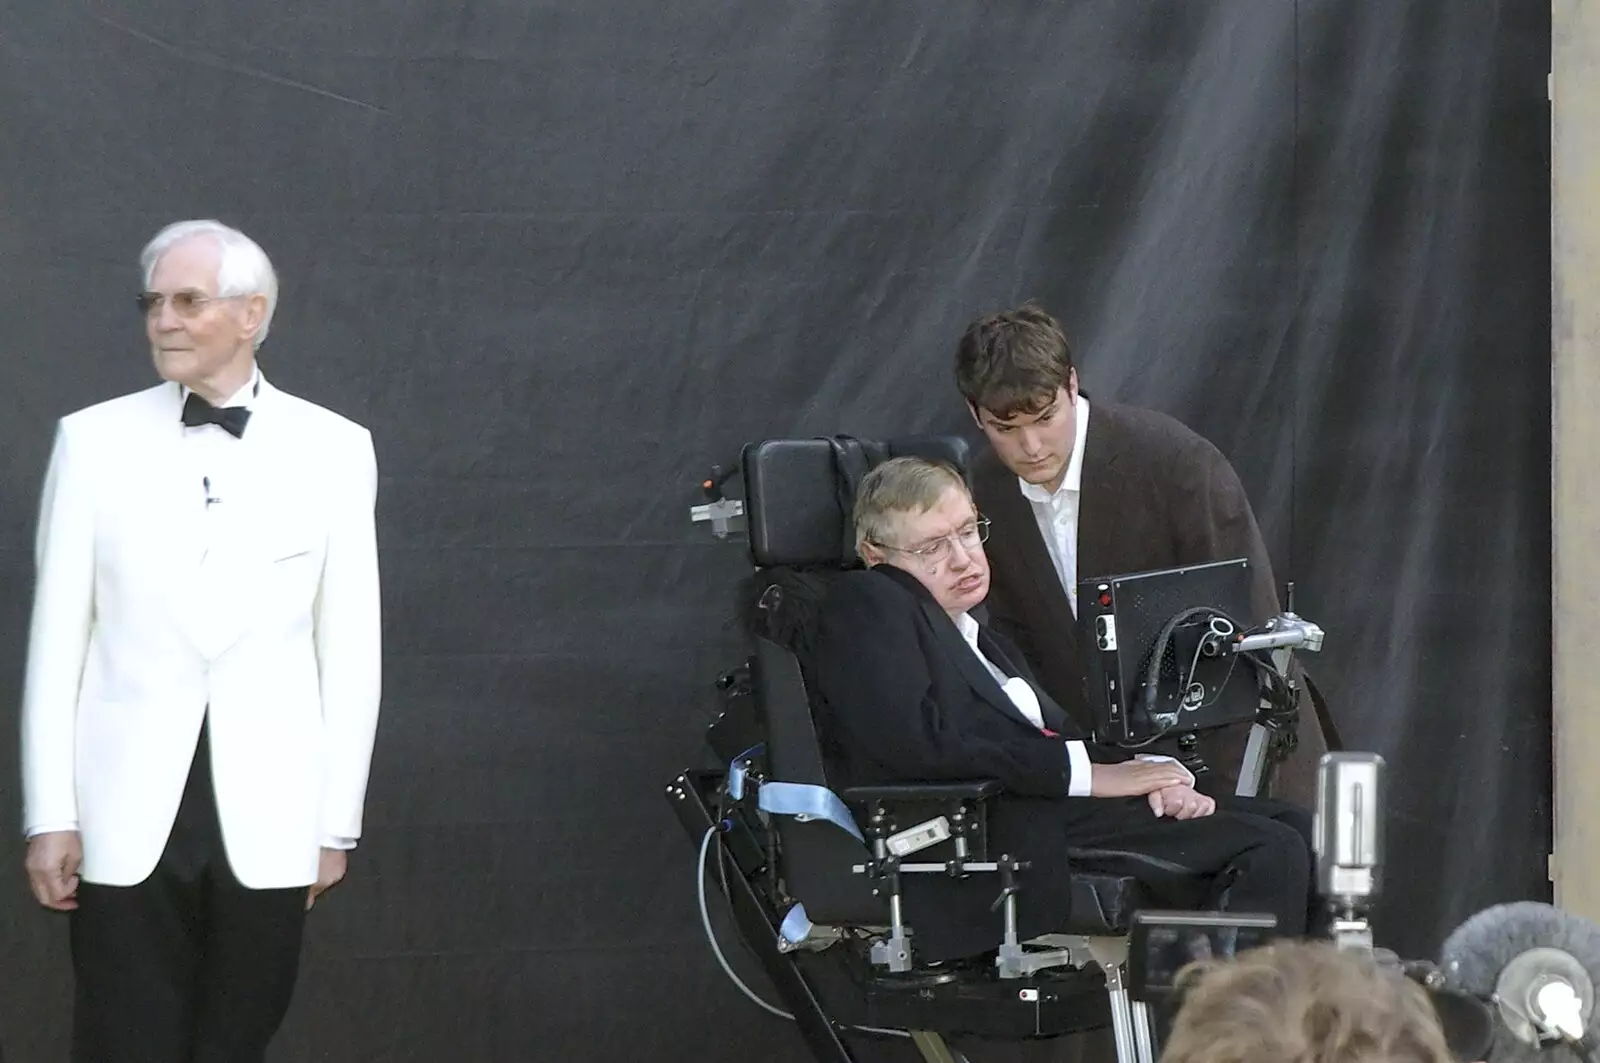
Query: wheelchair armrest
[971,789]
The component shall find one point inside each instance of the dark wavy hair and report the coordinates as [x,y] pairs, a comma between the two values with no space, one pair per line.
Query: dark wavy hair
[1013,362]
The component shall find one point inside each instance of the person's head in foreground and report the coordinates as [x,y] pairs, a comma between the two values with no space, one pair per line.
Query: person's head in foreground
[918,516]
[1302,1002]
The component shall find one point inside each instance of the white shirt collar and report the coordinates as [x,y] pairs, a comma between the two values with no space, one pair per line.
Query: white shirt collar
[1023,696]
[1073,480]
[245,396]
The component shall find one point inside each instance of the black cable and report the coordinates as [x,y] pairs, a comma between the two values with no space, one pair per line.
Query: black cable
[1158,650]
[724,824]
[1150,689]
[1282,694]
[1279,692]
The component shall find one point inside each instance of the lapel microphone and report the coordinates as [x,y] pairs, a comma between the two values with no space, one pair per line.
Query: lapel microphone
[205,482]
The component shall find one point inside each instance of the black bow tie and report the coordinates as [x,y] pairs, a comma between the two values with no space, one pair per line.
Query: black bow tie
[231,419]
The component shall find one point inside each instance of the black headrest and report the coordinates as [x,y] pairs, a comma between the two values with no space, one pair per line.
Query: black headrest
[795,492]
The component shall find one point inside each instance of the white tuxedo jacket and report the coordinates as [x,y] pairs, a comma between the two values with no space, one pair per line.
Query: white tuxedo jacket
[153,603]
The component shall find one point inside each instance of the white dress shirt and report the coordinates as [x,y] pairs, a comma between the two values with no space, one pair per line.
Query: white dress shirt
[1056,512]
[1026,699]
[211,453]
[209,450]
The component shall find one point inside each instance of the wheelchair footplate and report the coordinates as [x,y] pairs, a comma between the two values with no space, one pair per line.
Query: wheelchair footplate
[968,998]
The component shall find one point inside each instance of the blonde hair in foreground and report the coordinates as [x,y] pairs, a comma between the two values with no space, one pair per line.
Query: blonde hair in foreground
[899,485]
[1303,1002]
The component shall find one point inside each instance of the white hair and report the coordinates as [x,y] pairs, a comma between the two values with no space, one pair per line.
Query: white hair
[244,268]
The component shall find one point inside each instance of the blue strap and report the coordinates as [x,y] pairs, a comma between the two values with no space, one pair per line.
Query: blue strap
[796,927]
[736,771]
[805,802]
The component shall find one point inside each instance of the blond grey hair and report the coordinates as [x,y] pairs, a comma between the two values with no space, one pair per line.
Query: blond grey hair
[899,486]
[1303,1002]
[244,268]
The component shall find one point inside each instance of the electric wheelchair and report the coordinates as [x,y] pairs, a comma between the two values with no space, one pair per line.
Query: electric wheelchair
[814,877]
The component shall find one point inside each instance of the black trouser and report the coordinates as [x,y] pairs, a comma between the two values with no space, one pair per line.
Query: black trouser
[1258,849]
[188,966]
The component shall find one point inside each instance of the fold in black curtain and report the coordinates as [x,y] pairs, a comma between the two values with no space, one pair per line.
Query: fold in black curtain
[560,257]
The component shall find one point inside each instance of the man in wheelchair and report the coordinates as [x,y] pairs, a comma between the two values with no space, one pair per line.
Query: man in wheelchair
[908,686]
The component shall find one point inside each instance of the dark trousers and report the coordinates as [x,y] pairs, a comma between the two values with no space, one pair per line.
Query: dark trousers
[1257,850]
[188,966]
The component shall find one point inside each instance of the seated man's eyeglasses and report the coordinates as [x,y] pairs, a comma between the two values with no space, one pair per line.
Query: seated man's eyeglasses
[935,552]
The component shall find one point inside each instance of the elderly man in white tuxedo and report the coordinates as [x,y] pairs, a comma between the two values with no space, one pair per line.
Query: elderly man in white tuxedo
[202,686]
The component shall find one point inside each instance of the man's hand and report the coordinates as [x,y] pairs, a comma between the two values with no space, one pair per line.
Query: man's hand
[1136,778]
[1181,802]
[330,869]
[52,862]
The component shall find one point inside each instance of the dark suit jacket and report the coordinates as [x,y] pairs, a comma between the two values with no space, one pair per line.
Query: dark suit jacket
[900,696]
[1154,495]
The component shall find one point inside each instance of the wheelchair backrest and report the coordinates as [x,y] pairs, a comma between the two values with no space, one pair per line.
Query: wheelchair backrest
[797,493]
[816,856]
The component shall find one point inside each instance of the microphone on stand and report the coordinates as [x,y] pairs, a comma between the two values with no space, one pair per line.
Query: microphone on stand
[1515,983]
[1537,966]
[1347,827]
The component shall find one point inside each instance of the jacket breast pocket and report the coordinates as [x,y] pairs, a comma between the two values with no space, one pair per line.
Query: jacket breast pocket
[288,542]
[293,573]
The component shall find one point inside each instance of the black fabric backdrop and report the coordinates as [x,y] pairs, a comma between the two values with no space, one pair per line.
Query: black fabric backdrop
[560,256]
